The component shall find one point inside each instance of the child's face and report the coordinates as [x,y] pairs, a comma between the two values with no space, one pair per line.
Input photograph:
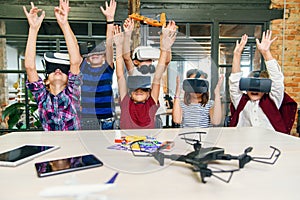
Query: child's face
[140,95]
[254,96]
[57,76]
[96,59]
[196,96]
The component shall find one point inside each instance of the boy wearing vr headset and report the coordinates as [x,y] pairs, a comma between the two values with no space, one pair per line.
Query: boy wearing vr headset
[139,105]
[58,104]
[97,100]
[141,62]
[265,104]
[196,110]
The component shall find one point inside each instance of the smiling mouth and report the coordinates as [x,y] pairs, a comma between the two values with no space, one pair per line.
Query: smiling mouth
[254,93]
[57,73]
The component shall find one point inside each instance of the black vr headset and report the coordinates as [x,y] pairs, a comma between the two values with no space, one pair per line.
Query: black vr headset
[255,84]
[136,82]
[90,48]
[55,61]
[195,85]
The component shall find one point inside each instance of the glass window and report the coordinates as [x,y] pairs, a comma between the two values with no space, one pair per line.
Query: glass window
[200,30]
[249,59]
[237,30]
[98,29]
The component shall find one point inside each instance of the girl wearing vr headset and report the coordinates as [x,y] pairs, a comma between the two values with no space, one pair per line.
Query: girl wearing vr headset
[58,105]
[274,110]
[138,107]
[196,110]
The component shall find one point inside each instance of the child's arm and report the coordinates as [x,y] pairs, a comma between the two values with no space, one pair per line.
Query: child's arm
[109,14]
[237,53]
[216,111]
[274,71]
[118,40]
[128,28]
[177,111]
[236,74]
[35,22]
[61,14]
[168,37]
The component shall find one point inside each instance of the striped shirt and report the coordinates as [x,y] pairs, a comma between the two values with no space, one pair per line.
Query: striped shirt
[96,91]
[58,112]
[195,115]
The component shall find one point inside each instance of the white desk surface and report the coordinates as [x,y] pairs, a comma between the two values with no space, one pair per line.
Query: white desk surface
[143,178]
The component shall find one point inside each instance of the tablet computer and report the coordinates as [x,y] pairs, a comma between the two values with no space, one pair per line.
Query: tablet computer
[21,154]
[63,165]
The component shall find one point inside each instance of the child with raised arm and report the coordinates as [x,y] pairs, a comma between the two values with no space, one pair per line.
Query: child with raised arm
[142,62]
[97,98]
[58,102]
[273,110]
[139,105]
[196,109]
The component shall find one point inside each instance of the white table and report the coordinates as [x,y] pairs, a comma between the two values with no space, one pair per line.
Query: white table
[143,178]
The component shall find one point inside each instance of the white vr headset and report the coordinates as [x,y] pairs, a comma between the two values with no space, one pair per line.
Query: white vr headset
[145,53]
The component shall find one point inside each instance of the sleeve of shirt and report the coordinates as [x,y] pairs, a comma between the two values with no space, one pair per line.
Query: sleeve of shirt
[73,88]
[38,89]
[277,88]
[234,88]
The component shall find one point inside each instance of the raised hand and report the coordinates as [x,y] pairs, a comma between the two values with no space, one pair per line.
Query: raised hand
[128,25]
[218,86]
[33,18]
[168,36]
[62,12]
[110,10]
[266,41]
[118,36]
[239,47]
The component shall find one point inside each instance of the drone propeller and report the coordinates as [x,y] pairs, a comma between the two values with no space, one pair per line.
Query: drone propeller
[192,133]
[195,142]
[272,158]
[248,150]
[245,158]
[159,156]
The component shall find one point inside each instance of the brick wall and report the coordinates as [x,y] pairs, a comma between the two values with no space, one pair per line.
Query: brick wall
[3,77]
[287,47]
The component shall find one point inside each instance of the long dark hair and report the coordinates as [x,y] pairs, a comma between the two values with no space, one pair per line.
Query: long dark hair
[204,98]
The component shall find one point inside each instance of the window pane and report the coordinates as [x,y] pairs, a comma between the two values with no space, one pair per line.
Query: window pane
[200,30]
[237,30]
[99,29]
[250,59]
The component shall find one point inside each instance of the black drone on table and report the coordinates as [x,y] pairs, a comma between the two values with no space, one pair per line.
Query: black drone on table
[201,157]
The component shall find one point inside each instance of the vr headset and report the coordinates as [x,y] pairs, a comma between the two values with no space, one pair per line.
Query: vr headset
[136,82]
[255,84]
[142,53]
[195,85]
[90,48]
[55,61]
[146,69]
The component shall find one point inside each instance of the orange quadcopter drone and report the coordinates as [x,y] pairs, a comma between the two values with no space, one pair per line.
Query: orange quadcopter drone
[150,21]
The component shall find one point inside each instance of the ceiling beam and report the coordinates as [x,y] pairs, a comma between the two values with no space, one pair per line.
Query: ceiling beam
[179,15]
